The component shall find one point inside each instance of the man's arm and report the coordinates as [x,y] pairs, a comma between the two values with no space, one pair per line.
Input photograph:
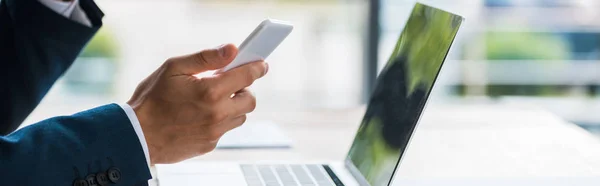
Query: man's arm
[98,145]
[72,10]
[37,46]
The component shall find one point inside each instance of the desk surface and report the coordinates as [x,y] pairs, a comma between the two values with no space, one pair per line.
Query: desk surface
[466,141]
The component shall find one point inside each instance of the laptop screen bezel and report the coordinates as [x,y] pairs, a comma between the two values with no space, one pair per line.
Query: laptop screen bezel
[358,176]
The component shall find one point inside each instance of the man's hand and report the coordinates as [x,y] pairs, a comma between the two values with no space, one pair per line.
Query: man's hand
[183,116]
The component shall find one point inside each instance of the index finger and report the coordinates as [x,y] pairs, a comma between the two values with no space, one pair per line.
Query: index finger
[241,77]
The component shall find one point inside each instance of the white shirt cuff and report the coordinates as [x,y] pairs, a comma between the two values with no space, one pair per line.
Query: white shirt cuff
[138,129]
[71,10]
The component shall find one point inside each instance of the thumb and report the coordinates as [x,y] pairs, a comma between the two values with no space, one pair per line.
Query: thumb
[208,59]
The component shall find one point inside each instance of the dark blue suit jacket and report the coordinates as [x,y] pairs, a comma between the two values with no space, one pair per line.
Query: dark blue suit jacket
[96,146]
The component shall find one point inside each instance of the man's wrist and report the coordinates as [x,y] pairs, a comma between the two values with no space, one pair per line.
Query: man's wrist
[135,123]
[145,122]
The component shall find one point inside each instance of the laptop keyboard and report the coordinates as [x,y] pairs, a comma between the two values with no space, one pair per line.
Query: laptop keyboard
[286,175]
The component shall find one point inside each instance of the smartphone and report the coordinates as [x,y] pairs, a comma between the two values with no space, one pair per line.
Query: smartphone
[261,42]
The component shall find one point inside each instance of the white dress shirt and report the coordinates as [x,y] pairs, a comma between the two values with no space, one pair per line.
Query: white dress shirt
[73,11]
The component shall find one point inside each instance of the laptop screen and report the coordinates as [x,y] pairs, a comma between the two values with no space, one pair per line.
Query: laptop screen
[401,92]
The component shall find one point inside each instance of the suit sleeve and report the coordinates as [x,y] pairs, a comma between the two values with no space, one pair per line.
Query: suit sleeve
[37,45]
[64,150]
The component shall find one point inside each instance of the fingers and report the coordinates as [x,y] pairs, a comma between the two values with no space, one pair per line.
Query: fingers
[238,78]
[243,102]
[230,124]
[209,59]
[231,114]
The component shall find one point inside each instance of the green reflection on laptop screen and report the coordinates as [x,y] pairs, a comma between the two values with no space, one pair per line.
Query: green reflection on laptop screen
[401,92]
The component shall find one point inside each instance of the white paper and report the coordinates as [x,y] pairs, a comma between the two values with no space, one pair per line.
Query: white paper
[255,134]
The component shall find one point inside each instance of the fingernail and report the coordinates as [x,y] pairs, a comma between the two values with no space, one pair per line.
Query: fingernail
[266,68]
[222,50]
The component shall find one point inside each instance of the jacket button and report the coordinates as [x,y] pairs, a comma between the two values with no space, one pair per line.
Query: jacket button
[80,182]
[91,180]
[114,174]
[102,178]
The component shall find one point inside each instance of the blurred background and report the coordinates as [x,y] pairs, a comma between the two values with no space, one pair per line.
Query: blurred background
[539,52]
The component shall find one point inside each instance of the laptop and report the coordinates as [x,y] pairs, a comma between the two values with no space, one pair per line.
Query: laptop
[391,117]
